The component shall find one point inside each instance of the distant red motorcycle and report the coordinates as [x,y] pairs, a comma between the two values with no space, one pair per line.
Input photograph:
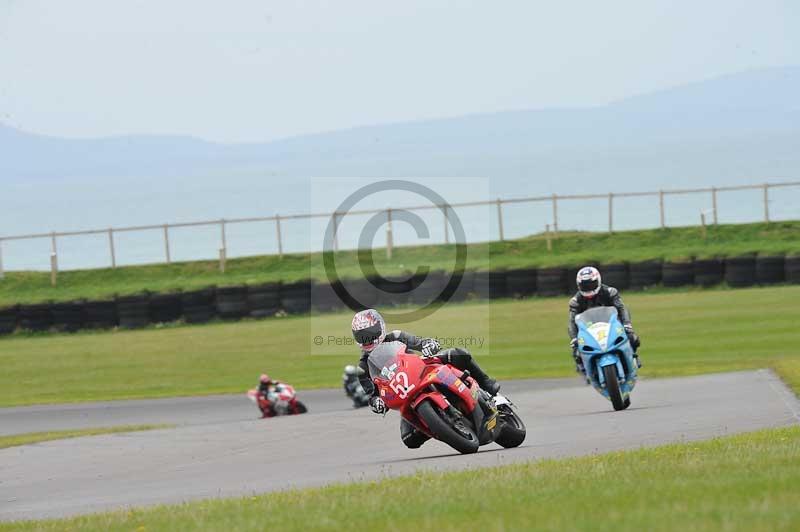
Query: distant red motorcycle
[281,401]
[443,401]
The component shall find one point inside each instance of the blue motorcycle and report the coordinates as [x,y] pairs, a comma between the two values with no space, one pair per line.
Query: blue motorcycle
[607,355]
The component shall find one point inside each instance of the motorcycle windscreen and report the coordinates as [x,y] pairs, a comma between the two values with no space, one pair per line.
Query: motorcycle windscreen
[382,361]
[597,323]
[596,315]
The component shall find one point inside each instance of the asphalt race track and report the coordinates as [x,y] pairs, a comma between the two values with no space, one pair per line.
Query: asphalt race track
[219,449]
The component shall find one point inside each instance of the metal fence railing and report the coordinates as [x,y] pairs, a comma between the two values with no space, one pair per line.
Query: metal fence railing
[554,200]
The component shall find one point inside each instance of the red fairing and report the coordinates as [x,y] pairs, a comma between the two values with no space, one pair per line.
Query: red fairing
[416,379]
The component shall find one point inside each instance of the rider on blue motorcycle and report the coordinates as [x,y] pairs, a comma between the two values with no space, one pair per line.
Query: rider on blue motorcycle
[369,331]
[593,293]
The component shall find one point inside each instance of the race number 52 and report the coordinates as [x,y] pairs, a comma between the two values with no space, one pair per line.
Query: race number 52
[399,385]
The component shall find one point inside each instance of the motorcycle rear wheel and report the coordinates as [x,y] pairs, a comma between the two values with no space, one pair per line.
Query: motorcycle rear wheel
[463,440]
[612,386]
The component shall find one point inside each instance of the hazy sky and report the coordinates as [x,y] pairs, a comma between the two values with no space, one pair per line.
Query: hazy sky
[258,70]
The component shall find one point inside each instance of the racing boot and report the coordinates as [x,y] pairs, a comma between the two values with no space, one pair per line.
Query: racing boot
[637,360]
[486,383]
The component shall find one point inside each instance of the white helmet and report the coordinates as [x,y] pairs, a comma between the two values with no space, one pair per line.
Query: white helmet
[589,281]
[369,329]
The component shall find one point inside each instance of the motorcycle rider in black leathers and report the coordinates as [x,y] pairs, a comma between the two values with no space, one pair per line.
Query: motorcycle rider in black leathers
[369,330]
[593,293]
[352,387]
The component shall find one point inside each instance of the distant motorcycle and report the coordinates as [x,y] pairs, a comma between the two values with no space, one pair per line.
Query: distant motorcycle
[352,386]
[281,401]
[443,401]
[607,355]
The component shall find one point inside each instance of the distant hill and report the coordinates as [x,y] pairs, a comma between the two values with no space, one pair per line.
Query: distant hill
[746,123]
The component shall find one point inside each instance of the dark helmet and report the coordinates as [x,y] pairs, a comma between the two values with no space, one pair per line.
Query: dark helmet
[369,329]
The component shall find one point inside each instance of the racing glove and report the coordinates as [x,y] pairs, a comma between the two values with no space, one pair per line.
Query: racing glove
[632,337]
[378,405]
[430,347]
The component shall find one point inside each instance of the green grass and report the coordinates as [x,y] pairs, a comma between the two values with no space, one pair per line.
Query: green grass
[683,333]
[37,437]
[745,482]
[570,249]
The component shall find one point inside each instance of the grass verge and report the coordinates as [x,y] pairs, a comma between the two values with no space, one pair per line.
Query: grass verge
[570,249]
[16,440]
[744,482]
[683,333]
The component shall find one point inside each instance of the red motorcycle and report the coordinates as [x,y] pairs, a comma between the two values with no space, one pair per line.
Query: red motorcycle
[442,401]
[281,401]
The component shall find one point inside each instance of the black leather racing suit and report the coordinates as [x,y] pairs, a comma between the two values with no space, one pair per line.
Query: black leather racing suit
[458,358]
[608,296]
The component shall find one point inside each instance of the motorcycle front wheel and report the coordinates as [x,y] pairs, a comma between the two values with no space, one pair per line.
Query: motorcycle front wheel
[457,434]
[513,432]
[300,408]
[612,386]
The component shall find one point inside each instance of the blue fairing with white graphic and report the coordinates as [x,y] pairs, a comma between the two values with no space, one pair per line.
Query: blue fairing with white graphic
[603,342]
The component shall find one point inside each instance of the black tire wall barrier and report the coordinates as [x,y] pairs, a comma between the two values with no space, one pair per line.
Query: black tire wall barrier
[708,272]
[258,301]
[645,274]
[199,306]
[34,317]
[296,297]
[232,302]
[792,269]
[8,320]
[616,275]
[365,295]
[427,288]
[465,288]
[164,308]
[68,317]
[770,270]
[740,271]
[133,311]
[675,274]
[551,281]
[324,297]
[521,283]
[100,314]
[264,300]
[393,291]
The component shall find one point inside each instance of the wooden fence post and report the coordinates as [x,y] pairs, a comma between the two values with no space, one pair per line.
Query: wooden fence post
[2,272]
[555,214]
[766,202]
[500,218]
[703,225]
[278,231]
[223,251]
[446,225]
[661,208]
[53,268]
[166,243]
[335,231]
[111,247]
[610,212]
[547,236]
[714,203]
[389,241]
